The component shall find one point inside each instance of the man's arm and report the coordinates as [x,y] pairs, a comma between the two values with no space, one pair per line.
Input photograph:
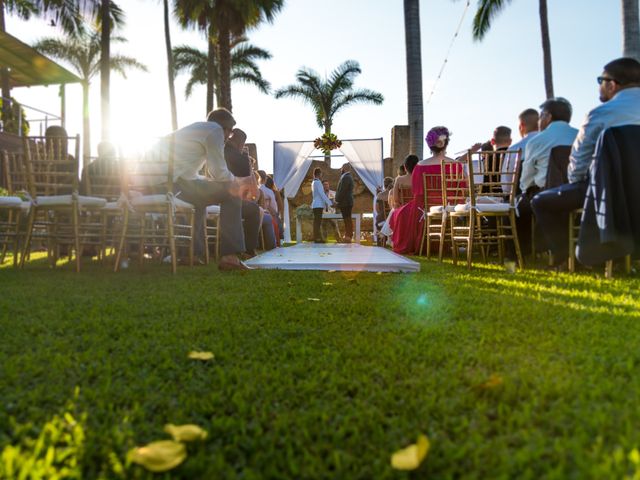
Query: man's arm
[528,172]
[214,145]
[583,148]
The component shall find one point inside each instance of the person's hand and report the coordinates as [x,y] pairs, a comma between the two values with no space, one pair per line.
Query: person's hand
[245,187]
[475,147]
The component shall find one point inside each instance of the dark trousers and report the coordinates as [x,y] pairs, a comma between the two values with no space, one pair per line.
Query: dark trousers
[348,222]
[523,219]
[551,208]
[317,221]
[201,194]
[250,225]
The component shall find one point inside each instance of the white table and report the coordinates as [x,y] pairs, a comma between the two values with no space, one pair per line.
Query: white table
[331,216]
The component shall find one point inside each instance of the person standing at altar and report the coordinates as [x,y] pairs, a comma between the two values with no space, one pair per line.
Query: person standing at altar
[318,204]
[344,201]
[328,223]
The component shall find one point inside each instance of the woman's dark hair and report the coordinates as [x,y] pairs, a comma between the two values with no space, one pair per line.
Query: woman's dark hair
[269,183]
[410,162]
[435,149]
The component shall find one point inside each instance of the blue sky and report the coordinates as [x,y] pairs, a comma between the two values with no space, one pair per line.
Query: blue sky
[484,84]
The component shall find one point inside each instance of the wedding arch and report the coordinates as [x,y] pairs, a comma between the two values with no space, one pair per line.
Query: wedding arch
[291,162]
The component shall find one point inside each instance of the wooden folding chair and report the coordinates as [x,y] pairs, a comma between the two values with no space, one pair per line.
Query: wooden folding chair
[487,203]
[59,213]
[154,218]
[14,208]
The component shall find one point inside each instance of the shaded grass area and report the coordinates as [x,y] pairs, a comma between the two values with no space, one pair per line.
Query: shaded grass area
[328,389]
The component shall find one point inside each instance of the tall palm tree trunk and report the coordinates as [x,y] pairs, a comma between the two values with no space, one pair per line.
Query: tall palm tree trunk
[211,67]
[105,60]
[170,72]
[86,125]
[546,49]
[4,75]
[630,29]
[224,46]
[327,130]
[414,75]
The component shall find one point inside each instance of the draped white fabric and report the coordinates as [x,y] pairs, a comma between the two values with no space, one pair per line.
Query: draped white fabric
[291,162]
[290,165]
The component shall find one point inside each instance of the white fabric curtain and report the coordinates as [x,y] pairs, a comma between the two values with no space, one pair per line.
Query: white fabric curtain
[290,165]
[365,156]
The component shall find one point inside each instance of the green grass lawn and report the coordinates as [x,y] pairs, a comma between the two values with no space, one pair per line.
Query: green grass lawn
[321,389]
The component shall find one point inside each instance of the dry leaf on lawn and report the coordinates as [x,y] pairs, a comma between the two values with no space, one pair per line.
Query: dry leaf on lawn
[159,456]
[185,433]
[201,355]
[411,457]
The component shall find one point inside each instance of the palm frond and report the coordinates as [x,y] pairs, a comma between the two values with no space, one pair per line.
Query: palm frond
[249,77]
[356,96]
[487,11]
[121,63]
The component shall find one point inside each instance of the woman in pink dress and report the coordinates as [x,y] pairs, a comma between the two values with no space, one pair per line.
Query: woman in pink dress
[399,202]
[409,218]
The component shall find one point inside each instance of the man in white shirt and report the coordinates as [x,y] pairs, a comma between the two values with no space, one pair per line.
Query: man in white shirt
[620,94]
[318,204]
[196,146]
[528,128]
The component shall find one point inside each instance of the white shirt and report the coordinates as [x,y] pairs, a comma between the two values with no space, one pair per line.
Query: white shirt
[194,145]
[320,199]
[270,202]
[509,162]
[332,196]
[622,109]
[536,156]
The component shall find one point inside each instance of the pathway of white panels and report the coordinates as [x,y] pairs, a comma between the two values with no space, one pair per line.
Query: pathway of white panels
[333,256]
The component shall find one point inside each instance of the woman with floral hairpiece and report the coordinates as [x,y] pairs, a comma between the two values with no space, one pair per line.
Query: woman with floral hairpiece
[408,222]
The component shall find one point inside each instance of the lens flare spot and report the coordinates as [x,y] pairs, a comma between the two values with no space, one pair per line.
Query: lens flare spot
[422,300]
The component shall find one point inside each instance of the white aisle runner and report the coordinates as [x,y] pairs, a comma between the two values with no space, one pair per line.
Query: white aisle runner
[334,256]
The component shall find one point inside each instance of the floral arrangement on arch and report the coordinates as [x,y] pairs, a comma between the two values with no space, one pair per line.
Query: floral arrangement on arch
[327,142]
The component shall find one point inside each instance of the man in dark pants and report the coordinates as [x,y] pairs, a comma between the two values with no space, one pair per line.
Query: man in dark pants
[344,201]
[319,203]
[620,94]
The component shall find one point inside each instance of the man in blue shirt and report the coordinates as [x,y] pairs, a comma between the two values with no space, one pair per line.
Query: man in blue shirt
[620,94]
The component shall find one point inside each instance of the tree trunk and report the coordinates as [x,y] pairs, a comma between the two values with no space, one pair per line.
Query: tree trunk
[170,72]
[414,75]
[630,29]
[327,130]
[224,46]
[105,60]
[86,125]
[546,49]
[211,68]
[4,76]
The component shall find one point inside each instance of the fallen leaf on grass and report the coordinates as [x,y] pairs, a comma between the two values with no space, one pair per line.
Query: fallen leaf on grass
[411,457]
[159,456]
[185,433]
[493,382]
[331,271]
[201,355]
[327,284]
[313,299]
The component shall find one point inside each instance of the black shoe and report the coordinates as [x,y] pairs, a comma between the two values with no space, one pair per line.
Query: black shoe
[319,241]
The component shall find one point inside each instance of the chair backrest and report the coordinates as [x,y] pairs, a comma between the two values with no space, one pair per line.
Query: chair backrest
[51,168]
[104,177]
[405,194]
[154,172]
[485,176]
[455,189]
[432,189]
[14,168]
[558,163]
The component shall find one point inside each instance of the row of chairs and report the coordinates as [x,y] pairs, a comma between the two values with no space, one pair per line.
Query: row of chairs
[112,208]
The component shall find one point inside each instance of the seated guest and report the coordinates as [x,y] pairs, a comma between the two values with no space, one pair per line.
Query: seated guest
[318,204]
[194,146]
[276,203]
[402,220]
[620,94]
[555,115]
[528,129]
[401,182]
[382,200]
[239,163]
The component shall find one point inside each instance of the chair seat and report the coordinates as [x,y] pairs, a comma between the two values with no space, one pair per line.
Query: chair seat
[66,200]
[492,207]
[159,201]
[438,209]
[213,210]
[112,206]
[12,202]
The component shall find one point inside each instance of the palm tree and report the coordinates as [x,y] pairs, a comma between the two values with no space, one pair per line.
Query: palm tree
[330,95]
[243,66]
[630,29]
[414,75]
[170,67]
[84,55]
[223,19]
[488,9]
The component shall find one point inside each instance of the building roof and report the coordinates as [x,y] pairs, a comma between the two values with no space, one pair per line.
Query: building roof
[28,67]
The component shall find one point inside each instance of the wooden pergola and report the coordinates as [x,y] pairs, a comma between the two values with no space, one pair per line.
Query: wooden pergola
[27,67]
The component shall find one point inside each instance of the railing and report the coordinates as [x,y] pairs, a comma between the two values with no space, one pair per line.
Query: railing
[49,118]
